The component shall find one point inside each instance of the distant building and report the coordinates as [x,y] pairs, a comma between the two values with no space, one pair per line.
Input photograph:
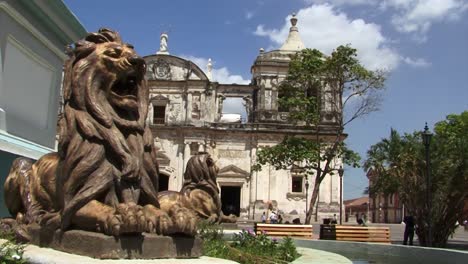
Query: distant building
[186,116]
[356,208]
[33,38]
[384,209]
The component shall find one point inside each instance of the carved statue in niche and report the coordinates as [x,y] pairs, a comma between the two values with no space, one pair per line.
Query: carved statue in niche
[104,177]
[175,110]
[199,192]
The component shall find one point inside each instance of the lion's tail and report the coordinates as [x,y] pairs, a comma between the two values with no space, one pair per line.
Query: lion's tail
[17,185]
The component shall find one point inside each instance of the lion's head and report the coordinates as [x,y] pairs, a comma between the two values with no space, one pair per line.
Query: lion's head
[115,90]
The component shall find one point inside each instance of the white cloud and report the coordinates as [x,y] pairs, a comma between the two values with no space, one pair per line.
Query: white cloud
[412,16]
[417,62]
[342,2]
[324,28]
[221,75]
[249,15]
[417,16]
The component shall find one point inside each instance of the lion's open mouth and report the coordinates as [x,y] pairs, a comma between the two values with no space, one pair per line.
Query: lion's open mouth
[126,87]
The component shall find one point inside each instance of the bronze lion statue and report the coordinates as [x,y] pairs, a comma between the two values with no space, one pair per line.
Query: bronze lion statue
[199,192]
[104,177]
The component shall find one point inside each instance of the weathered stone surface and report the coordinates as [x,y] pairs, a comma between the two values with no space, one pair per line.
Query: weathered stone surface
[97,245]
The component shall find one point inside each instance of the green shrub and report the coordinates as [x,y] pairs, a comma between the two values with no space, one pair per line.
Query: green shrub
[246,247]
[10,252]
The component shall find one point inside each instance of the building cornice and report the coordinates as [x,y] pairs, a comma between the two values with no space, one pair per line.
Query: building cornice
[58,18]
[32,29]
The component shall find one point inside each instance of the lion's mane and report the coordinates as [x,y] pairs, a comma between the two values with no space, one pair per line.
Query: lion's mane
[104,145]
[201,174]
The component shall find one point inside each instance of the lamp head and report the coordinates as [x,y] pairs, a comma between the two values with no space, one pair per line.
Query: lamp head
[341,171]
[426,136]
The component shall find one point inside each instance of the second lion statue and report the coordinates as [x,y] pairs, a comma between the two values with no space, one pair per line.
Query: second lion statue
[104,177]
[199,192]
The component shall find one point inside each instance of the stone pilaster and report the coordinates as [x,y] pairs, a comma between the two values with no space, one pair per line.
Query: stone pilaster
[186,154]
[188,117]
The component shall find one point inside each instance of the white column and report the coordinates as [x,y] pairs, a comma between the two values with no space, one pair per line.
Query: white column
[186,154]
[203,106]
[253,176]
[149,118]
[180,169]
[188,118]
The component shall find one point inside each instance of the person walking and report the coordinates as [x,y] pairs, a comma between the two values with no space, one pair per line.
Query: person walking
[273,217]
[409,230]
[263,218]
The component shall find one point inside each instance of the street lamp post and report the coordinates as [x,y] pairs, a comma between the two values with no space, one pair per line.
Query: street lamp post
[307,191]
[426,137]
[340,173]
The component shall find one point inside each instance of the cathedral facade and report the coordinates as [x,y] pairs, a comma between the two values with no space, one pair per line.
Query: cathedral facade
[186,118]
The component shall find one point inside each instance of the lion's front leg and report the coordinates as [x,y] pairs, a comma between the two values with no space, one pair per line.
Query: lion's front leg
[96,216]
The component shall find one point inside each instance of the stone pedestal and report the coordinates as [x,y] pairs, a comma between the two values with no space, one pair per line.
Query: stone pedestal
[97,245]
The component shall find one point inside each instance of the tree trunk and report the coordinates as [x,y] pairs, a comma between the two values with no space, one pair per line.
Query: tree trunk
[313,199]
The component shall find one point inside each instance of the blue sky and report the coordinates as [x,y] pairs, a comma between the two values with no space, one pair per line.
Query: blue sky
[422,43]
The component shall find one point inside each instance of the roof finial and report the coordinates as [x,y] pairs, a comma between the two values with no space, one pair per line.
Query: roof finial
[293,42]
[163,44]
[293,20]
[209,67]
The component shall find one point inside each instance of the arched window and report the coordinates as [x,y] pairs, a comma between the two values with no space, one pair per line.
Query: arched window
[281,107]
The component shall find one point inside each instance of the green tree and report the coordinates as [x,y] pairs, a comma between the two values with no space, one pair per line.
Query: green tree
[398,165]
[336,88]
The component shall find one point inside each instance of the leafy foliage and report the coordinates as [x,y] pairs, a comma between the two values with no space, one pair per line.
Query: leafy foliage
[337,86]
[246,247]
[10,252]
[398,165]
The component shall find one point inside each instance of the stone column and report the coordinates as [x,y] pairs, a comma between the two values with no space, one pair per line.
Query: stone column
[220,106]
[179,176]
[274,93]
[252,184]
[149,118]
[203,107]
[186,154]
[188,118]
[248,106]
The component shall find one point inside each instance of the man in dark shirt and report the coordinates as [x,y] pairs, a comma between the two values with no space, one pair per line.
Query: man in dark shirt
[409,230]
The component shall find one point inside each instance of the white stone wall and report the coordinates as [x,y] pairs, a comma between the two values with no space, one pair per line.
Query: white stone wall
[234,150]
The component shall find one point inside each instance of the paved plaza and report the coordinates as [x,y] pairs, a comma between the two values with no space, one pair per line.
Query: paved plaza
[459,240]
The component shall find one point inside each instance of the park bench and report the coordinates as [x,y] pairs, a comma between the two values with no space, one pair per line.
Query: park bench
[355,233]
[279,230]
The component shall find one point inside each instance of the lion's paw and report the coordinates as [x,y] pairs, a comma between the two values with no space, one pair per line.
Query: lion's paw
[185,221]
[128,218]
[158,221]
